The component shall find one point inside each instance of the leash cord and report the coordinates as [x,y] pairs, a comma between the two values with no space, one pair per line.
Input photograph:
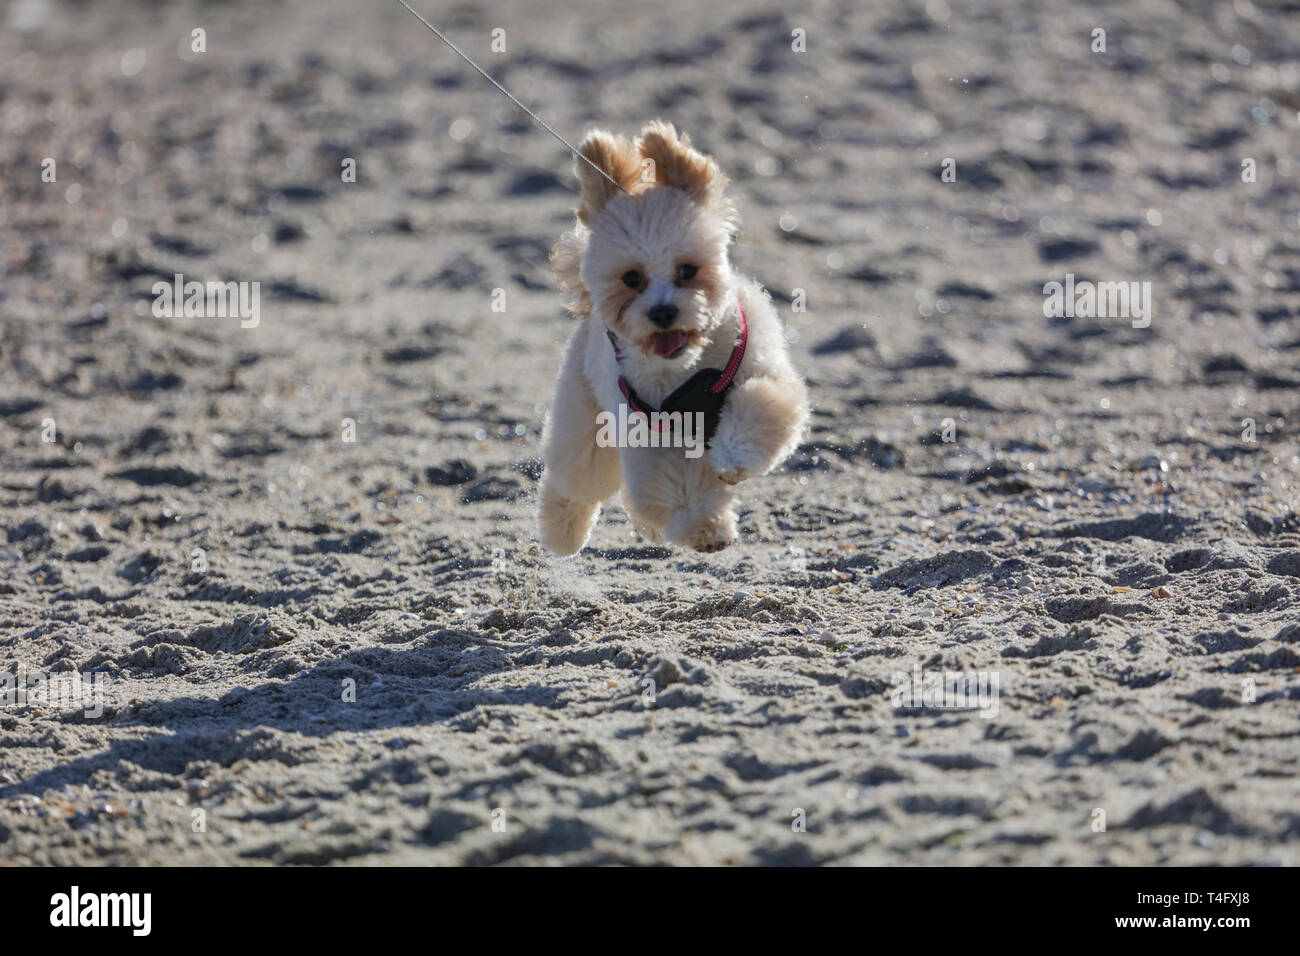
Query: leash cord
[537,119]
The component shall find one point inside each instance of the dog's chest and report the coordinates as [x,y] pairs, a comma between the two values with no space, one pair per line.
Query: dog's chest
[655,382]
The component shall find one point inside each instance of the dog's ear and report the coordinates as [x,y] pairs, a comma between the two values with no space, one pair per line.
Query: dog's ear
[676,164]
[566,260]
[618,158]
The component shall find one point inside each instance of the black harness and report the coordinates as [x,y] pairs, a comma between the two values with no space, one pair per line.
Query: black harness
[704,392]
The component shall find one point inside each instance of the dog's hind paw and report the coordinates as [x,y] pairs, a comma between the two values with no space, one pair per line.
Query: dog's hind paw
[708,535]
[650,533]
[564,524]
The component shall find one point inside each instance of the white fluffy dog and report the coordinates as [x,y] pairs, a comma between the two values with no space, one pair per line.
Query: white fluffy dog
[667,326]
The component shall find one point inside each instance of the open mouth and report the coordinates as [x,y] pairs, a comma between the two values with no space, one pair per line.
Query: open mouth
[671,343]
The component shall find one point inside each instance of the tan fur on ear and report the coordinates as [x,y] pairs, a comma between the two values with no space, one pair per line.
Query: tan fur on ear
[676,164]
[618,157]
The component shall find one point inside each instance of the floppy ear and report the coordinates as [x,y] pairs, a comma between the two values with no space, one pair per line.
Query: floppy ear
[676,164]
[618,158]
[566,260]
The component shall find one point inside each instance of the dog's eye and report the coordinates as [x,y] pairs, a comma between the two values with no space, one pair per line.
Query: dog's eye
[686,272]
[631,278]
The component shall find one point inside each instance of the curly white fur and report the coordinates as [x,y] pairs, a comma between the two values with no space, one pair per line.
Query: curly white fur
[675,215]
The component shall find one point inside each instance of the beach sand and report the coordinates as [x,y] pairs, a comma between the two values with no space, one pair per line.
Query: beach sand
[316,650]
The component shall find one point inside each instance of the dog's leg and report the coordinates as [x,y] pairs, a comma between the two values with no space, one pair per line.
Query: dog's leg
[648,522]
[705,519]
[649,489]
[579,474]
[762,423]
[677,498]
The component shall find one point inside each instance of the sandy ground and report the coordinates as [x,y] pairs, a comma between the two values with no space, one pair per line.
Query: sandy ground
[200,534]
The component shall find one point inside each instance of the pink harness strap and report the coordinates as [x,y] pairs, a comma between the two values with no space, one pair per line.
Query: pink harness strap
[737,354]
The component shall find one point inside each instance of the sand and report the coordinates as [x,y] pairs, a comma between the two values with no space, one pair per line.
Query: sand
[316,650]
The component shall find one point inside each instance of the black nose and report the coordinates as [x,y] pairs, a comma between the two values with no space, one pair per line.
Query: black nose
[663,315]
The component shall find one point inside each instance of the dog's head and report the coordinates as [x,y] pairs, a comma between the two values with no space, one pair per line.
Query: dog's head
[652,260]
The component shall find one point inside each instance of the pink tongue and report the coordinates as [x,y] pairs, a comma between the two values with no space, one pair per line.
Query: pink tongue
[669,343]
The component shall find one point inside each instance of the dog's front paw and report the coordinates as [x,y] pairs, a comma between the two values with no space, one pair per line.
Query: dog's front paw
[733,465]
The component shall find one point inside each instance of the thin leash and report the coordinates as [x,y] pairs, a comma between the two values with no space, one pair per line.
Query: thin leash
[536,119]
